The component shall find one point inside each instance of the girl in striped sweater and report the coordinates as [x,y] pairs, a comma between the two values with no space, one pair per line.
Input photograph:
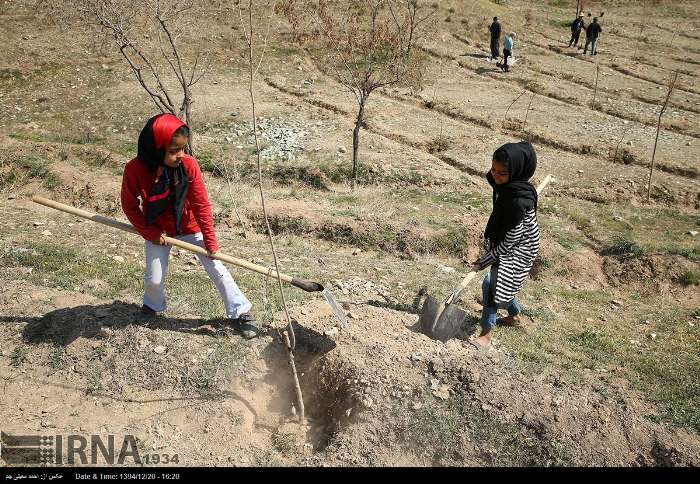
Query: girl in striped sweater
[512,236]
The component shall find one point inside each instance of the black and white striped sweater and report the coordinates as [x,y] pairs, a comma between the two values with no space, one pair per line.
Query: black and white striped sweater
[514,255]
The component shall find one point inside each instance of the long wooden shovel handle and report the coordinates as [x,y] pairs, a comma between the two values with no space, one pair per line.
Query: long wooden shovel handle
[462,285]
[308,286]
[544,183]
[468,278]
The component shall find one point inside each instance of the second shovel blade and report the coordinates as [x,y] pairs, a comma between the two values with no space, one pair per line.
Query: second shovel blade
[440,321]
[450,322]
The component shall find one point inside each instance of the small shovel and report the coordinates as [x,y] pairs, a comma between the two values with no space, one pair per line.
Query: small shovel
[443,321]
[308,286]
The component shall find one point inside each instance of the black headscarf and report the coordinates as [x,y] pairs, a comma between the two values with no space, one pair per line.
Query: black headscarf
[172,185]
[513,199]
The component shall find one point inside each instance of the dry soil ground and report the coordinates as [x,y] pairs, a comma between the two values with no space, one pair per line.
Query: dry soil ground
[605,370]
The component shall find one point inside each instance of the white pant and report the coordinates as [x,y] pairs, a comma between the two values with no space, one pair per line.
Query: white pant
[157,270]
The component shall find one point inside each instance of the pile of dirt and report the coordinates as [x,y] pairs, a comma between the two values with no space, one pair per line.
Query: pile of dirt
[392,375]
[656,271]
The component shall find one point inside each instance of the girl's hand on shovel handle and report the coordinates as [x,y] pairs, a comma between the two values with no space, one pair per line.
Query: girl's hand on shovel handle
[212,254]
[160,240]
[474,266]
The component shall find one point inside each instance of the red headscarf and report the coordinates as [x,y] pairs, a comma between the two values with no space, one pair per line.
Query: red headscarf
[164,128]
[170,189]
[155,137]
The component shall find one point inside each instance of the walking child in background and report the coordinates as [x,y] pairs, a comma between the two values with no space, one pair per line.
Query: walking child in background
[507,50]
[174,202]
[512,236]
[495,30]
[576,27]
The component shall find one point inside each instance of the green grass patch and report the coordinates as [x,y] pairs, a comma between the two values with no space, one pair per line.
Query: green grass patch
[597,348]
[57,358]
[665,369]
[661,230]
[21,170]
[93,380]
[19,355]
[582,295]
[670,378]
[59,266]
[453,241]
[568,242]
[560,24]
[423,196]
[540,314]
[690,278]
[345,199]
[623,247]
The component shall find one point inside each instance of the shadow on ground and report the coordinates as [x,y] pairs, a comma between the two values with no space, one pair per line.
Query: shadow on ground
[65,325]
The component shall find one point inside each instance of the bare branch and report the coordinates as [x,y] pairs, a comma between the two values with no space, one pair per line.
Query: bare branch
[179,73]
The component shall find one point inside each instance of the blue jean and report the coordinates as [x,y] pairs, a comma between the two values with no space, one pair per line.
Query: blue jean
[489,314]
[594,46]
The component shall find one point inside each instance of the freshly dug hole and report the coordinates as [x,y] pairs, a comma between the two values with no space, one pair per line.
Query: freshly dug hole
[327,386]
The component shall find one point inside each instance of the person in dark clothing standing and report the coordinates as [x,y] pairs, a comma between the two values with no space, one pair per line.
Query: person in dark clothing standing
[495,30]
[592,33]
[576,27]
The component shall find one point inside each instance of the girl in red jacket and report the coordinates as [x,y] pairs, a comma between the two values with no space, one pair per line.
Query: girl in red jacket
[174,202]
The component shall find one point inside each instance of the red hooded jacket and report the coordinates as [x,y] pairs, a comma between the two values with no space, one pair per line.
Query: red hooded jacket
[196,216]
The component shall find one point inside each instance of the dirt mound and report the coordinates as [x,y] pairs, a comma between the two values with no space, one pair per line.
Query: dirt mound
[582,267]
[445,403]
[656,271]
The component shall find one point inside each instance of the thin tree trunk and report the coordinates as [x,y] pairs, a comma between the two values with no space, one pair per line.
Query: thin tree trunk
[188,120]
[658,128]
[289,337]
[528,137]
[356,141]
[233,199]
[595,91]
[511,104]
[617,147]
[528,110]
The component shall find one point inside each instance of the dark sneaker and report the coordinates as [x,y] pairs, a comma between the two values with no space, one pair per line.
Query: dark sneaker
[147,314]
[247,326]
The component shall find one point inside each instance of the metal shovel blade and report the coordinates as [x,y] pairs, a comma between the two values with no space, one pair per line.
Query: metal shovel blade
[440,321]
[333,303]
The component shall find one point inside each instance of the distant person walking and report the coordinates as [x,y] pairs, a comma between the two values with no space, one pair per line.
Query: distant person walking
[576,27]
[507,50]
[593,31]
[495,30]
